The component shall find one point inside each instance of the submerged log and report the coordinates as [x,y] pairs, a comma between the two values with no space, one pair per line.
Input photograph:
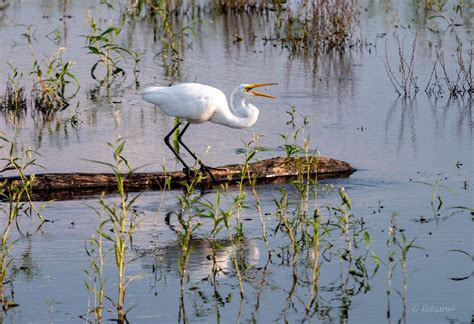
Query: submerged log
[62,186]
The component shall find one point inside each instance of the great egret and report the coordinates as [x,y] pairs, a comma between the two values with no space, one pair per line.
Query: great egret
[198,103]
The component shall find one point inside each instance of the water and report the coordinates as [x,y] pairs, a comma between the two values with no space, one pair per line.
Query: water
[353,114]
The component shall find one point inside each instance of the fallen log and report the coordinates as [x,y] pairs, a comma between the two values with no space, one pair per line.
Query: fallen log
[65,186]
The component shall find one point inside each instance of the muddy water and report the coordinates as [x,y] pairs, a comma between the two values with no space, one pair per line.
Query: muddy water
[353,114]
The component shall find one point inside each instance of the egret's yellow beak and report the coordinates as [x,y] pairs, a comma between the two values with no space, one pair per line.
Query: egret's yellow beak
[258,85]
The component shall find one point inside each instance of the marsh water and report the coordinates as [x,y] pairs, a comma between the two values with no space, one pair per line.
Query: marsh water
[398,145]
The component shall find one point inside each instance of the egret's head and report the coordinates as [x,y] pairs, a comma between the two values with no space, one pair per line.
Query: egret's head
[247,89]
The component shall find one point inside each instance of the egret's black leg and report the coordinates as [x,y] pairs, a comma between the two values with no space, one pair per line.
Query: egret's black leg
[167,142]
[203,167]
[184,145]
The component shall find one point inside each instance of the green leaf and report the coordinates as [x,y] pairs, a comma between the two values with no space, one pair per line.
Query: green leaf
[94,50]
[111,29]
[366,238]
[100,162]
[93,70]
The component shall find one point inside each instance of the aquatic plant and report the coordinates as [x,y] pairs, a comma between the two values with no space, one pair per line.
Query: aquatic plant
[292,145]
[405,83]
[218,7]
[52,79]
[167,32]
[14,100]
[95,283]
[405,247]
[458,85]
[440,5]
[15,200]
[436,200]
[397,240]
[187,226]
[55,35]
[239,6]
[251,149]
[103,44]
[316,25]
[124,221]
[434,4]
[170,33]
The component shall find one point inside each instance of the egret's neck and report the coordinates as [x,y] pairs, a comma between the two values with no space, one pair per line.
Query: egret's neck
[244,113]
[237,114]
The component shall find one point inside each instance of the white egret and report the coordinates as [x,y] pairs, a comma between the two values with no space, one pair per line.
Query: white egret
[198,103]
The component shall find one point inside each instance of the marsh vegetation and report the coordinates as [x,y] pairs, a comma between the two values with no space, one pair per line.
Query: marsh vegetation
[369,248]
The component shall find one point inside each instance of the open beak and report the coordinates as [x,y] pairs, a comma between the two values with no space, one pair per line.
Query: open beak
[258,85]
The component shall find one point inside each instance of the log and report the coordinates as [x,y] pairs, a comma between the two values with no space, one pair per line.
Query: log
[66,186]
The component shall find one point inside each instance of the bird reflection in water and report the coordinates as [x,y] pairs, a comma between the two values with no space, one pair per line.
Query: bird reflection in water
[200,263]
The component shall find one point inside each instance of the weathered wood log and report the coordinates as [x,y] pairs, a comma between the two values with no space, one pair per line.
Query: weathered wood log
[61,186]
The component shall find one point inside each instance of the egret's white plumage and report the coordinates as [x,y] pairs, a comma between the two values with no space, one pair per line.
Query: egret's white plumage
[199,103]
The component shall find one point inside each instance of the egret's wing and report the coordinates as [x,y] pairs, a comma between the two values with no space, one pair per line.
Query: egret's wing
[190,101]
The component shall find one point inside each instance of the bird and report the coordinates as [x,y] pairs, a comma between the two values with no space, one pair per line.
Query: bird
[198,103]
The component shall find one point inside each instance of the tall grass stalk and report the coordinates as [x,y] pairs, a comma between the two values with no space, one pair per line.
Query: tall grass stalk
[212,210]
[260,216]
[187,226]
[123,220]
[239,204]
[15,200]
[405,247]
[96,282]
[391,241]
[251,149]
[315,245]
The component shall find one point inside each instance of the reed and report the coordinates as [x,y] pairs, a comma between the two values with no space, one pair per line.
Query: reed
[316,26]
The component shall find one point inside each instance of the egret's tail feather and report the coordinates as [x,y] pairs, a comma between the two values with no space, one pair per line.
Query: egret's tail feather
[151,89]
[148,92]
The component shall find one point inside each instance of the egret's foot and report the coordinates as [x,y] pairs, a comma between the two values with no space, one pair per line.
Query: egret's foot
[206,169]
[188,173]
[192,173]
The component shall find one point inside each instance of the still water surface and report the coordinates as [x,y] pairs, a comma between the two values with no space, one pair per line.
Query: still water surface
[353,114]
